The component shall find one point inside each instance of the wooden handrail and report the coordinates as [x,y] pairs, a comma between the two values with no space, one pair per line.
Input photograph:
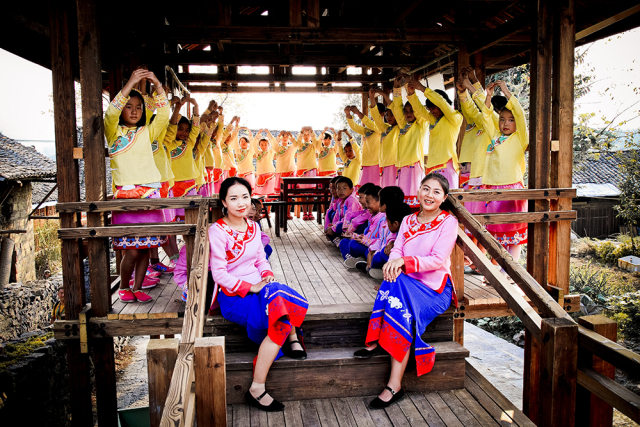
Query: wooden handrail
[523,194]
[179,409]
[136,204]
[126,231]
[604,348]
[528,217]
[611,392]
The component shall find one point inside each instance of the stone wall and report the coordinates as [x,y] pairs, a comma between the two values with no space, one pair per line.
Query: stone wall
[35,390]
[14,214]
[26,307]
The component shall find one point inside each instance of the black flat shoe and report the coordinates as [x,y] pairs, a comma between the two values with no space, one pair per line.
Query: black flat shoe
[274,406]
[363,353]
[362,266]
[295,354]
[378,403]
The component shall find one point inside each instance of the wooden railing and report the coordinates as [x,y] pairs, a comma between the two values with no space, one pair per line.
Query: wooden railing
[561,339]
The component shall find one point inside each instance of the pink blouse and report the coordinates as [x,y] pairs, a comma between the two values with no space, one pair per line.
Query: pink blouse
[350,204]
[374,231]
[426,249]
[237,260]
[387,237]
[354,219]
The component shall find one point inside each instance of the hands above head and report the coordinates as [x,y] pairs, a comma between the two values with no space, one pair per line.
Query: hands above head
[491,87]
[392,269]
[414,84]
[400,80]
[503,87]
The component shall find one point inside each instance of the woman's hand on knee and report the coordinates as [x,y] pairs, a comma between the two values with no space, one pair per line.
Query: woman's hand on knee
[255,289]
[392,269]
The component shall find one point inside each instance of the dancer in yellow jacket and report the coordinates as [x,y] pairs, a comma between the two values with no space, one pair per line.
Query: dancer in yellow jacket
[135,175]
[444,122]
[370,141]
[414,129]
[386,123]
[307,162]
[266,176]
[228,140]
[327,155]
[350,155]
[285,160]
[246,147]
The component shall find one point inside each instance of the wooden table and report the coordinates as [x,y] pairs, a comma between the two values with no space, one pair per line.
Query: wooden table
[289,190]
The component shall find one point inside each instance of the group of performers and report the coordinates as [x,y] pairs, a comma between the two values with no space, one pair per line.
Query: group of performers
[166,155]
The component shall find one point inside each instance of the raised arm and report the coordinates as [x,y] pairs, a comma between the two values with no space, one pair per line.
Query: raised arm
[349,110]
[112,115]
[162,105]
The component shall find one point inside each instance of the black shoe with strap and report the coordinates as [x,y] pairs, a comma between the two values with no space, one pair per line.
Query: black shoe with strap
[378,403]
[274,406]
[295,354]
[363,353]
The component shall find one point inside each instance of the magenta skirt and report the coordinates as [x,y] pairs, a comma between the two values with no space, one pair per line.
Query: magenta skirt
[388,176]
[449,172]
[266,185]
[179,213]
[370,174]
[309,173]
[409,179]
[507,234]
[138,217]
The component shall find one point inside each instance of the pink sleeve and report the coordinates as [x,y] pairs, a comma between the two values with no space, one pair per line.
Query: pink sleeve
[180,272]
[397,251]
[218,262]
[441,250]
[264,237]
[262,264]
[376,245]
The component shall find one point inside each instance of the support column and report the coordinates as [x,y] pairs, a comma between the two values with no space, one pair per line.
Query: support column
[211,389]
[64,112]
[562,131]
[539,158]
[161,359]
[480,67]
[559,375]
[95,190]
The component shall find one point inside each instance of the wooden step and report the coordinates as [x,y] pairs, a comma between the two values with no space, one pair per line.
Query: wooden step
[334,372]
[328,326]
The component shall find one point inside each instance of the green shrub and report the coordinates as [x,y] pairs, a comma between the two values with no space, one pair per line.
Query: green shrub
[508,328]
[47,247]
[596,282]
[609,252]
[625,310]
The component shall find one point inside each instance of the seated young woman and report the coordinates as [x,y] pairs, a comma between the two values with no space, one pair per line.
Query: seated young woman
[417,288]
[271,312]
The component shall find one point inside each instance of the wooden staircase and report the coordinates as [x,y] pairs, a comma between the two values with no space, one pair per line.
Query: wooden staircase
[331,334]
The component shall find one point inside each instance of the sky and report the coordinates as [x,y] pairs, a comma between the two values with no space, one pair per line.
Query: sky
[26,88]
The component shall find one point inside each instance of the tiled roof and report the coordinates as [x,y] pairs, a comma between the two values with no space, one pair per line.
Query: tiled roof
[600,168]
[21,162]
[39,191]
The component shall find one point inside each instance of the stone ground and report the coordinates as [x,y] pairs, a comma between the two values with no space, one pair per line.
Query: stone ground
[501,362]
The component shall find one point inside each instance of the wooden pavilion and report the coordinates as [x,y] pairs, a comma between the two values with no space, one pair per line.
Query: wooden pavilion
[98,44]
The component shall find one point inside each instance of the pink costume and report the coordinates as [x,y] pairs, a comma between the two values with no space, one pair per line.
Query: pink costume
[349,204]
[374,231]
[355,219]
[386,237]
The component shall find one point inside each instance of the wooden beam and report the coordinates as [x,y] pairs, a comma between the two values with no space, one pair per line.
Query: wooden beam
[280,89]
[135,205]
[559,363]
[313,13]
[125,231]
[528,217]
[211,386]
[525,194]
[279,78]
[295,13]
[69,191]
[592,411]
[161,359]
[501,33]
[605,23]
[611,392]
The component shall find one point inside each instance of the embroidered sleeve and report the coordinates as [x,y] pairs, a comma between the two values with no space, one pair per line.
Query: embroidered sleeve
[120,101]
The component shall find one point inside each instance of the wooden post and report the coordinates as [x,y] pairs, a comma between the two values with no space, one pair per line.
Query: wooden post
[313,13]
[559,374]
[190,217]
[457,273]
[295,13]
[480,67]
[462,61]
[562,131]
[95,187]
[161,359]
[590,409]
[539,158]
[64,111]
[211,381]
[365,103]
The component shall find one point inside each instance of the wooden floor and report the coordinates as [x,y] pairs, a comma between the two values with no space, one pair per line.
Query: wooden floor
[304,259]
[478,404]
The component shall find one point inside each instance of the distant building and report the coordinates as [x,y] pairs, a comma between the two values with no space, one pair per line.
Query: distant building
[20,168]
[597,180]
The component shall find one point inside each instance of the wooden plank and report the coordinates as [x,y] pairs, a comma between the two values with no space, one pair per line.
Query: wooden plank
[309,413]
[590,409]
[435,400]
[190,217]
[135,204]
[412,413]
[343,412]
[611,392]
[499,415]
[528,217]
[241,415]
[478,412]
[559,363]
[494,394]
[325,413]
[292,415]
[126,231]
[525,194]
[426,410]
[161,359]
[360,413]
[465,417]
[211,399]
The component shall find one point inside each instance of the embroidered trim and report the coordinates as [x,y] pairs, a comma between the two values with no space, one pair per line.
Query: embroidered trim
[120,101]
[161,100]
[239,239]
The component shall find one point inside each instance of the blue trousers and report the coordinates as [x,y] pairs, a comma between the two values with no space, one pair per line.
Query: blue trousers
[268,250]
[379,259]
[353,248]
[361,228]
[339,229]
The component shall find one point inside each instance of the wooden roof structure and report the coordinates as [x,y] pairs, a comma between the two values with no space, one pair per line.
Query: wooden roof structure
[381,37]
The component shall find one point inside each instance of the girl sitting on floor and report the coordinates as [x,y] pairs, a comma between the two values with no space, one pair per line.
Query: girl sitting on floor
[416,289]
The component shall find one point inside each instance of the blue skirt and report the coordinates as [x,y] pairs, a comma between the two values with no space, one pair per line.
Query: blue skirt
[273,312]
[401,312]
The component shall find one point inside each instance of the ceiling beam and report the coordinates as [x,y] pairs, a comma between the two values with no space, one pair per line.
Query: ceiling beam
[277,89]
[500,34]
[607,22]
[283,78]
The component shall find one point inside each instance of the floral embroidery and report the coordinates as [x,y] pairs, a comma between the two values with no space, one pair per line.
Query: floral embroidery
[325,152]
[416,228]
[154,146]
[394,302]
[383,295]
[470,127]
[179,151]
[405,129]
[238,238]
[480,132]
[431,126]
[305,145]
[242,154]
[124,143]
[496,142]
[384,134]
[261,154]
